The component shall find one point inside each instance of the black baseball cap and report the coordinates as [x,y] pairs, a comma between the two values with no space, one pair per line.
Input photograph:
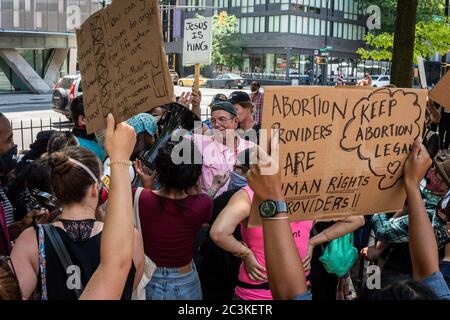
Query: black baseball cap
[239,96]
[225,106]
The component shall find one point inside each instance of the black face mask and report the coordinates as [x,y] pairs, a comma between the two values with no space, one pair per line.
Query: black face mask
[8,161]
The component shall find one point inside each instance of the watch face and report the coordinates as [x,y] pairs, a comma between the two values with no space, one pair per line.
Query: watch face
[268,209]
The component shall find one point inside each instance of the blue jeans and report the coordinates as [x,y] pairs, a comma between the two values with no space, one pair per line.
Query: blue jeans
[169,284]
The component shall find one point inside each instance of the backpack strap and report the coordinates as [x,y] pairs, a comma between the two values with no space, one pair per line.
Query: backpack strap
[42,262]
[61,251]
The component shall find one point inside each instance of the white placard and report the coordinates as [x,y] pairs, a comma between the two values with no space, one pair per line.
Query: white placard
[197,41]
[423,77]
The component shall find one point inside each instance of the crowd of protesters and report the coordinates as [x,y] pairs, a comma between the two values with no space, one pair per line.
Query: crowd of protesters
[85,216]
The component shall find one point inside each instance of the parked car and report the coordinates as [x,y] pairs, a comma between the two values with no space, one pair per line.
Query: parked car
[227,81]
[174,75]
[189,81]
[380,80]
[64,92]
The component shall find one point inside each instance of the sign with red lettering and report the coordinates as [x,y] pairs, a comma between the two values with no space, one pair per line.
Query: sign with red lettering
[342,150]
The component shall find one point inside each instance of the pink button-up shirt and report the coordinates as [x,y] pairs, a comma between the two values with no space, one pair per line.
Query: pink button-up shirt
[217,158]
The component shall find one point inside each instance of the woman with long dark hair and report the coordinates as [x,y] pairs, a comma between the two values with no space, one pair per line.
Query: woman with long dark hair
[170,219]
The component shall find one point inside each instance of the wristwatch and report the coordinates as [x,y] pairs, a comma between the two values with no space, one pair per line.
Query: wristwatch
[270,208]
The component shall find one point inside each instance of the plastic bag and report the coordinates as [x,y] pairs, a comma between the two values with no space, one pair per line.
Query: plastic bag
[340,255]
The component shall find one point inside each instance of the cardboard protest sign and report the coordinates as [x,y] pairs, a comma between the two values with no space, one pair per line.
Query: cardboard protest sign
[440,92]
[197,41]
[342,150]
[122,62]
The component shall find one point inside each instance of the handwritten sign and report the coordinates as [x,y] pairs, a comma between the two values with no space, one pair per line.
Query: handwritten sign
[197,41]
[342,150]
[122,62]
[440,91]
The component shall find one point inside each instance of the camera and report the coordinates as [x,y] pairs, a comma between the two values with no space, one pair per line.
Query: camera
[36,199]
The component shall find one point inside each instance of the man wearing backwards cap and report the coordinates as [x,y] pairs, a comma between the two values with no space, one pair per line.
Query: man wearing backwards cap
[220,150]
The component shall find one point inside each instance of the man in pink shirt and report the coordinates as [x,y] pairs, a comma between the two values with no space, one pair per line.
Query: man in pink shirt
[221,149]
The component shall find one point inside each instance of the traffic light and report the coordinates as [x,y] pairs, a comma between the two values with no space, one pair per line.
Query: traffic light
[319,60]
[222,17]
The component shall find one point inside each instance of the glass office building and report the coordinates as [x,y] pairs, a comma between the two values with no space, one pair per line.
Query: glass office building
[35,29]
[280,38]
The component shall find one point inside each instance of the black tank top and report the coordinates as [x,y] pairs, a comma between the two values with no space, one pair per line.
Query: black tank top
[85,255]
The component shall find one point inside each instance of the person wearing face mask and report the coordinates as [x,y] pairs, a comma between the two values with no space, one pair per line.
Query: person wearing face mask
[257,100]
[9,228]
[219,269]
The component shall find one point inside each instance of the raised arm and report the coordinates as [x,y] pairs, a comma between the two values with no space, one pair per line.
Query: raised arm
[422,241]
[284,266]
[116,250]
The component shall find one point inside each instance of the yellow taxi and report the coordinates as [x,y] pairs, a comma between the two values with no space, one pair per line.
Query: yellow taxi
[189,81]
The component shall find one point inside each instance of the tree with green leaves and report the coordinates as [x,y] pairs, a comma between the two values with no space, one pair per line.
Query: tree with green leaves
[411,39]
[426,9]
[431,37]
[226,41]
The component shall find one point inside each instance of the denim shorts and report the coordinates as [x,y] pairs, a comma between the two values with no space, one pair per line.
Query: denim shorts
[169,284]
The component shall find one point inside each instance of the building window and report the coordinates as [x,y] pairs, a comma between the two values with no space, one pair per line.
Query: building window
[250,25]
[311,26]
[284,24]
[293,26]
[323,27]
[299,25]
[243,25]
[305,25]
[247,6]
[270,64]
[276,27]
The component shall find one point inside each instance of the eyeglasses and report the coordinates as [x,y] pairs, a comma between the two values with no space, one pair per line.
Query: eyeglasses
[220,120]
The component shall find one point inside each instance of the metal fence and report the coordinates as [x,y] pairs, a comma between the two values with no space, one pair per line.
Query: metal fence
[25,131]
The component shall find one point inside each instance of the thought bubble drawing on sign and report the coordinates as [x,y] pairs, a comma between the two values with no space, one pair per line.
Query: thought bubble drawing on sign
[382,129]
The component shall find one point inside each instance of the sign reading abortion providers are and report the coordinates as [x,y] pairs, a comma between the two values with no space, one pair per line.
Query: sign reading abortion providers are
[342,150]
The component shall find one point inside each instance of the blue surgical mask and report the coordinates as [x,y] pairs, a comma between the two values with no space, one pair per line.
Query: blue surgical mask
[237,181]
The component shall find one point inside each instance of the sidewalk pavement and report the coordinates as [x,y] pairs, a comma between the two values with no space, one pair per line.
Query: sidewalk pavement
[11,99]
